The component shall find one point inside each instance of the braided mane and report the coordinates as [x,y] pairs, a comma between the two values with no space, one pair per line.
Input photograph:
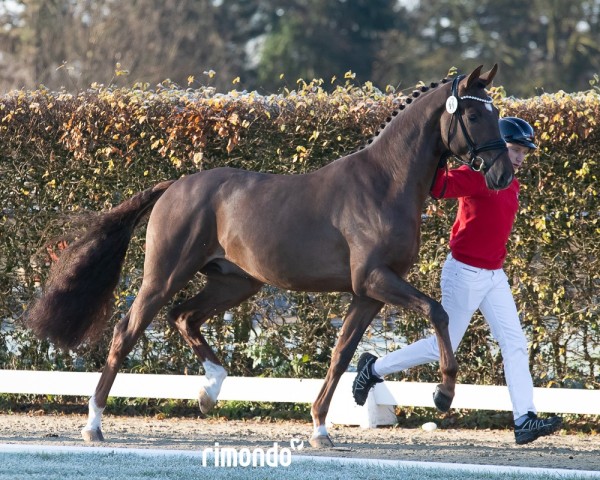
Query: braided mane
[406,101]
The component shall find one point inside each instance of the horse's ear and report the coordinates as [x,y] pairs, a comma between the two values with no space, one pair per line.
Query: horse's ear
[487,77]
[474,76]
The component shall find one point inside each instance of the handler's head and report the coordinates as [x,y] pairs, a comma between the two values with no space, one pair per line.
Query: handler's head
[519,136]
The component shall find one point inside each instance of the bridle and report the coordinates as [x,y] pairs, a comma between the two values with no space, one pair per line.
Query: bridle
[475,162]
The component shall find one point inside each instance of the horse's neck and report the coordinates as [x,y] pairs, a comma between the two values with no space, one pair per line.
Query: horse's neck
[409,147]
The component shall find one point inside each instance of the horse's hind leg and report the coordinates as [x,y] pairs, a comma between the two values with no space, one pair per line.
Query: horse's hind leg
[164,275]
[220,293]
[126,333]
[360,314]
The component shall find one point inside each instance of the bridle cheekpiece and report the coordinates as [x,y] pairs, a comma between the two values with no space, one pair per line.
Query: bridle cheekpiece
[453,107]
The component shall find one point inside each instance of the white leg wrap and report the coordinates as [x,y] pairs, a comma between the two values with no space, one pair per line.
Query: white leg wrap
[320,431]
[94,416]
[215,375]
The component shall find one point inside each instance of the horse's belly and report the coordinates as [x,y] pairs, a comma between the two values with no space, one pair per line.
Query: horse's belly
[310,283]
[293,269]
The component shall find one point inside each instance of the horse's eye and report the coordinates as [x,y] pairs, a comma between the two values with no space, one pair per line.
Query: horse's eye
[472,117]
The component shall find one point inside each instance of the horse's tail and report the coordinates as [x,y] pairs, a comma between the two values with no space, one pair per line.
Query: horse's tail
[79,293]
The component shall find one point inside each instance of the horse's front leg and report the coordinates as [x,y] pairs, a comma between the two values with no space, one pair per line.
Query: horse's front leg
[359,316]
[385,285]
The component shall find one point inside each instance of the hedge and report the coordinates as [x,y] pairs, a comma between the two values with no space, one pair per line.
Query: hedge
[64,153]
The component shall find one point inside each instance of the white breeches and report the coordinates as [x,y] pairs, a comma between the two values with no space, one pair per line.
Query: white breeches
[464,290]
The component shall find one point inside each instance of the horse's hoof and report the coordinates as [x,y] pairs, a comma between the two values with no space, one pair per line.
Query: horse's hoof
[441,400]
[94,435]
[321,441]
[205,402]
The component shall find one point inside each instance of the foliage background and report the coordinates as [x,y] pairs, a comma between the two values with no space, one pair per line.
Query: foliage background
[64,153]
[541,45]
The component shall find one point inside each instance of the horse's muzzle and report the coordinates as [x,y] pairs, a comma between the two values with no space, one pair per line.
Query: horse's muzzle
[495,182]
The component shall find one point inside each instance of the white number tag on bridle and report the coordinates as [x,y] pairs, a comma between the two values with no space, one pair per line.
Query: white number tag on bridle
[451,104]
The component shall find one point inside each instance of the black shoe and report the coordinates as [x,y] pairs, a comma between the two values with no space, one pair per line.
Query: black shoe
[365,378]
[535,427]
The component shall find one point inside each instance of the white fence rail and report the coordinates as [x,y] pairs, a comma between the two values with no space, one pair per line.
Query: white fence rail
[378,410]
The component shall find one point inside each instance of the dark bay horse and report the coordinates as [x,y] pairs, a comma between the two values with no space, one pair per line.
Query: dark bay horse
[351,226]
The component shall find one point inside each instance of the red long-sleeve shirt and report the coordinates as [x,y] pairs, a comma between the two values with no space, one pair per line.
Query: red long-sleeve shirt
[484,219]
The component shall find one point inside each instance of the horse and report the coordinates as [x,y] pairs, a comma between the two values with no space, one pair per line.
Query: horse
[351,226]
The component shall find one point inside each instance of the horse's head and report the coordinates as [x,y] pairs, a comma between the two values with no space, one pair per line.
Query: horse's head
[470,128]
